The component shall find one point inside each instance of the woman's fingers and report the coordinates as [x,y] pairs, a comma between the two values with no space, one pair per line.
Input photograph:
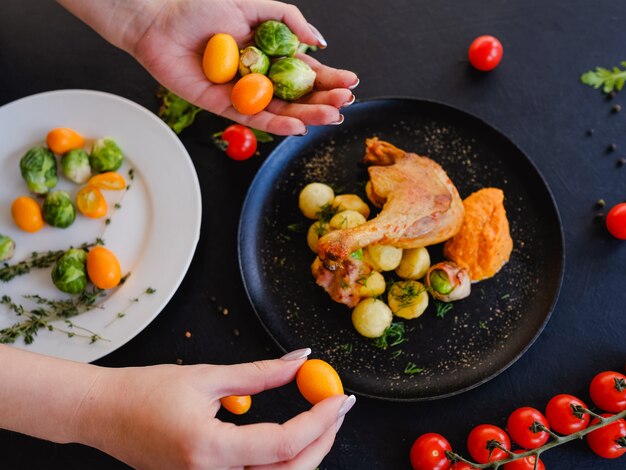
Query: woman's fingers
[328,77]
[254,377]
[257,12]
[310,114]
[268,443]
[339,98]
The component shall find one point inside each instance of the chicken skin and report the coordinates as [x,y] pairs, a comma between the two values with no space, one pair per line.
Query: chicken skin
[420,205]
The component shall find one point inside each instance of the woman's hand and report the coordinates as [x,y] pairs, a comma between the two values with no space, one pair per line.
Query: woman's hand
[164,417]
[168,39]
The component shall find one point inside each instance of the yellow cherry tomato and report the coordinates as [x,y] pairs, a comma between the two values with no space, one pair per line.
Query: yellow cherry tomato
[318,380]
[221,58]
[109,180]
[91,202]
[64,139]
[103,268]
[252,93]
[237,404]
[27,214]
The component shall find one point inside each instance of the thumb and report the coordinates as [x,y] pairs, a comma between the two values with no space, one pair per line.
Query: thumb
[254,377]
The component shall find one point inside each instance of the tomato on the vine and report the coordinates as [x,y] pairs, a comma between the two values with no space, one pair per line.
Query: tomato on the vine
[608,391]
[428,452]
[240,142]
[462,466]
[616,221]
[520,426]
[527,463]
[480,443]
[562,416]
[610,441]
[485,53]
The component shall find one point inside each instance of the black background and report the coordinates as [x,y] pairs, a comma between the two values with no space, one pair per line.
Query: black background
[398,48]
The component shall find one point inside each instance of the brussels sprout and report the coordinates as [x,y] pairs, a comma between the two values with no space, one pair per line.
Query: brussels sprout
[7,246]
[105,155]
[69,273]
[39,170]
[58,209]
[253,60]
[276,39]
[75,166]
[292,78]
[448,282]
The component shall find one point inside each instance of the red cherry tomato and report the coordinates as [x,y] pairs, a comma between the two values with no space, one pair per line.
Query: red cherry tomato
[479,438]
[608,391]
[527,463]
[610,441]
[241,142]
[485,53]
[561,416]
[428,452]
[616,221]
[462,466]
[520,426]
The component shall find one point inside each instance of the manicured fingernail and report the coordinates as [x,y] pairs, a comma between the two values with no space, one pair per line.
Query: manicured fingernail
[320,39]
[339,121]
[297,354]
[356,84]
[339,423]
[306,131]
[349,102]
[346,406]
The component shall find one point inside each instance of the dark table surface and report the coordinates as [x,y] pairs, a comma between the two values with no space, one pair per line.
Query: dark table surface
[398,48]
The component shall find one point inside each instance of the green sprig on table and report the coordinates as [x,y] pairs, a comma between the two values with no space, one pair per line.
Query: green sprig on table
[608,79]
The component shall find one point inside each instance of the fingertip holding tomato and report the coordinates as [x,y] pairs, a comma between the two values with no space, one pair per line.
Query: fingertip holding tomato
[317,380]
[103,268]
[252,93]
[428,452]
[27,214]
[561,416]
[63,139]
[609,441]
[485,53]
[616,221]
[520,427]
[220,61]
[479,439]
[526,463]
[237,404]
[608,391]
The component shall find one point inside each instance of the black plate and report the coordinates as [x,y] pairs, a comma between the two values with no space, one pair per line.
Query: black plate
[483,334]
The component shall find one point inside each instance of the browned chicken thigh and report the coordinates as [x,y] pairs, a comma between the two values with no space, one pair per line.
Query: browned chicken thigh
[420,205]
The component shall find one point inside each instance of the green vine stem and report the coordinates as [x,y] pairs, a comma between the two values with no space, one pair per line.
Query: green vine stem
[556,441]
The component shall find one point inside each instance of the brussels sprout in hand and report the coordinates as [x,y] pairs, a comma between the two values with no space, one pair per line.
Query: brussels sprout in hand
[105,155]
[58,209]
[7,246]
[276,39]
[75,166]
[39,169]
[69,273]
[448,282]
[253,60]
[292,78]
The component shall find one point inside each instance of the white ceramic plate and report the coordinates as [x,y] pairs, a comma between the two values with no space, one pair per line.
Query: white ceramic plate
[154,234]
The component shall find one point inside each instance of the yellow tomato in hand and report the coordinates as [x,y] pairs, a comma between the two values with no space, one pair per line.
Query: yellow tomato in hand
[221,58]
[237,404]
[318,380]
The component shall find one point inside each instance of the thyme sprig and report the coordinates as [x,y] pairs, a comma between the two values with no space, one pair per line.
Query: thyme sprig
[36,260]
[48,311]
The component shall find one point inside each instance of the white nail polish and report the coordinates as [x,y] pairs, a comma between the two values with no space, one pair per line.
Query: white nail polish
[339,121]
[352,87]
[339,423]
[346,406]
[297,354]
[318,35]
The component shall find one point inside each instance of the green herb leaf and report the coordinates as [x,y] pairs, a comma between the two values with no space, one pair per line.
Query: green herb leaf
[392,336]
[261,136]
[358,254]
[177,113]
[411,368]
[609,79]
[297,227]
[442,308]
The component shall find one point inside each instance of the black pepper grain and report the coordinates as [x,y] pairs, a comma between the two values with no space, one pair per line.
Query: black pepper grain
[611,95]
[600,203]
[621,162]
[590,132]
[611,148]
[616,108]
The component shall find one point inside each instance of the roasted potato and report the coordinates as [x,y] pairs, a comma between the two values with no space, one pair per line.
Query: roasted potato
[383,257]
[408,299]
[316,231]
[313,197]
[414,264]
[346,219]
[371,317]
[372,285]
[351,202]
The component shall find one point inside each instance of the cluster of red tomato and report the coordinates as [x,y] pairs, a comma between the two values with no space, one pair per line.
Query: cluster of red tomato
[528,427]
